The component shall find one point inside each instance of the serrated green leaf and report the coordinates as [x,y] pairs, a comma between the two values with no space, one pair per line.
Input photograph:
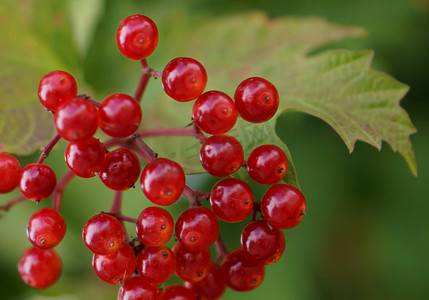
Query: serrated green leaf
[26,54]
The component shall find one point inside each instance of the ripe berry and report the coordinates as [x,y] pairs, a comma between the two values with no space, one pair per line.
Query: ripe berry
[120,170]
[37,181]
[39,268]
[283,206]
[184,79]
[102,234]
[241,274]
[137,37]
[137,288]
[85,157]
[190,265]
[267,164]
[115,268]
[46,228]
[178,292]
[211,287]
[55,88]
[221,155]
[154,226]
[156,264]
[10,170]
[119,115]
[197,228]
[257,99]
[231,200]
[214,112]
[163,181]
[76,119]
[262,243]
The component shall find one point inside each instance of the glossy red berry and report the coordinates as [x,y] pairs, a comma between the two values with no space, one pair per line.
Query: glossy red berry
[267,164]
[119,115]
[241,274]
[262,243]
[55,88]
[221,155]
[190,265]
[178,292]
[46,228]
[10,170]
[156,264]
[120,170]
[37,181]
[214,112]
[283,206]
[163,181]
[103,234]
[85,158]
[115,268]
[137,288]
[76,119]
[257,99]
[137,37]
[211,287]
[39,268]
[231,200]
[184,79]
[154,226]
[197,228]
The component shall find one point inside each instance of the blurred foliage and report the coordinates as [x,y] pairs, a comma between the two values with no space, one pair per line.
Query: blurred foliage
[366,235]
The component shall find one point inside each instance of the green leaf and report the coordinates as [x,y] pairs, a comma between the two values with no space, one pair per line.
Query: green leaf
[30,43]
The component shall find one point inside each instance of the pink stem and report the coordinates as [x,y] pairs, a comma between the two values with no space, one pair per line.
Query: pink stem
[11,203]
[195,196]
[220,249]
[47,149]
[123,218]
[188,131]
[57,195]
[116,210]
[144,79]
[145,146]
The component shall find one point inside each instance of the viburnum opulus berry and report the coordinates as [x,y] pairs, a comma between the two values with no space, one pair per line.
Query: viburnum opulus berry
[37,181]
[46,228]
[137,37]
[184,79]
[267,164]
[154,226]
[178,292]
[55,88]
[136,288]
[156,264]
[119,115]
[257,99]
[211,287]
[10,170]
[86,157]
[192,266]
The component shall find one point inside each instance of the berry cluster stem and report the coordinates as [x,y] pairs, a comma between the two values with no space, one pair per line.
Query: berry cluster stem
[47,149]
[144,79]
[57,195]
[11,203]
[220,249]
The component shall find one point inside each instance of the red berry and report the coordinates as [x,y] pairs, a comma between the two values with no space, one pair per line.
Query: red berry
[137,37]
[103,234]
[262,243]
[137,288]
[257,99]
[214,112]
[239,273]
[221,155]
[37,181]
[55,88]
[120,170]
[178,292]
[154,226]
[85,158]
[119,115]
[10,170]
[190,265]
[267,164]
[211,287]
[231,200]
[163,181]
[156,264]
[39,268]
[115,268]
[76,120]
[197,228]
[283,206]
[46,228]
[184,79]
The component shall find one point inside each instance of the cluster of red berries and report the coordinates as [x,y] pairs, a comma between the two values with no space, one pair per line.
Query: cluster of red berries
[140,265]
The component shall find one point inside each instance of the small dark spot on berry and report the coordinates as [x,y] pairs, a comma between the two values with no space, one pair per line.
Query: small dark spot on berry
[61,80]
[192,239]
[163,226]
[225,110]
[193,79]
[168,192]
[254,281]
[42,241]
[281,170]
[141,40]
[165,254]
[200,274]
[267,98]
[111,244]
[246,201]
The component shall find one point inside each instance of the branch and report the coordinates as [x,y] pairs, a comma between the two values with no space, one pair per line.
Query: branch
[47,149]
[57,195]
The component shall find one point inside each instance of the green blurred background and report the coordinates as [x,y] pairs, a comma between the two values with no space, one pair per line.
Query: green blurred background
[366,235]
